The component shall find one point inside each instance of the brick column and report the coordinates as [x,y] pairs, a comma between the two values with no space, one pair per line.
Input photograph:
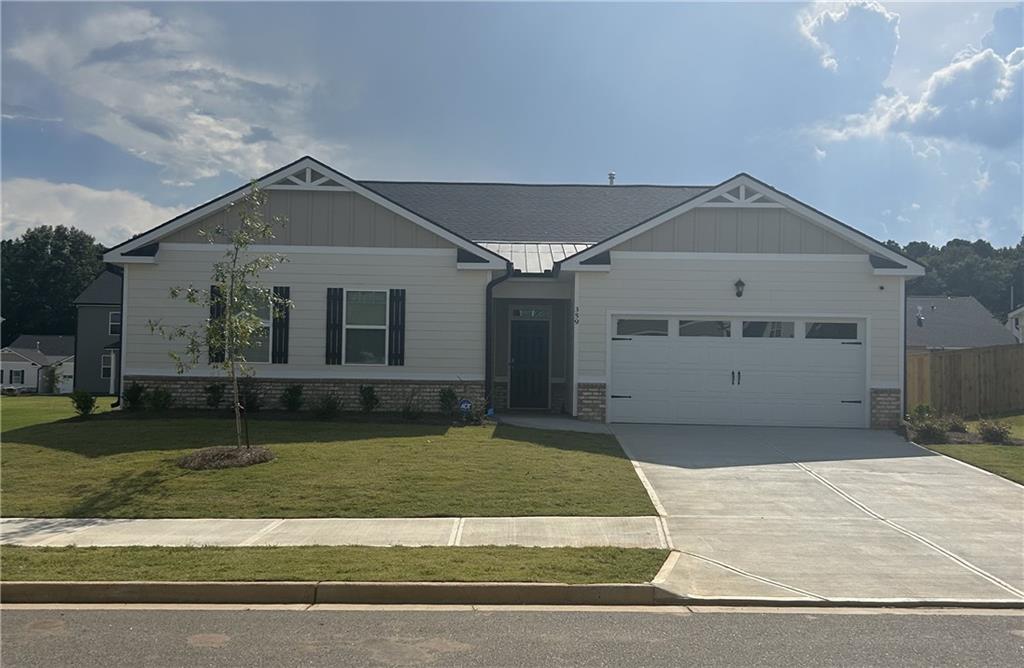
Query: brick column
[886,408]
[590,402]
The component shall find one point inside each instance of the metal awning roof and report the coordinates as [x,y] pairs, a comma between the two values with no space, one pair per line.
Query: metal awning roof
[534,258]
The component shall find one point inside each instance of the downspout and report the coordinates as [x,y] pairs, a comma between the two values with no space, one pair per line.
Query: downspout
[489,336]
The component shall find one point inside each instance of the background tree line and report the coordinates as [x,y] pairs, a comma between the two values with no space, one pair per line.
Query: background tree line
[44,269]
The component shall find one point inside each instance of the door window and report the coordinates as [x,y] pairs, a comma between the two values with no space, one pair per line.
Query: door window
[641,327]
[832,330]
[715,328]
[768,329]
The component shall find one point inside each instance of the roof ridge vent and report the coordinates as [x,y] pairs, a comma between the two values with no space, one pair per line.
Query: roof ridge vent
[611,178]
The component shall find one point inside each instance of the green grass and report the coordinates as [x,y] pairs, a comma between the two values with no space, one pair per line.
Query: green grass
[123,465]
[371,564]
[1003,460]
[24,411]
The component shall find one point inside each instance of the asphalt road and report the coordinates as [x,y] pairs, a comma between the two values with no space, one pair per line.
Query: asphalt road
[504,637]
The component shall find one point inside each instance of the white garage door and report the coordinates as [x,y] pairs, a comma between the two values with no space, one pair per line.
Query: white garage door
[757,371]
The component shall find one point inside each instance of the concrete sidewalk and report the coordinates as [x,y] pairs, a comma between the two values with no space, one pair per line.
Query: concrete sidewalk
[411,532]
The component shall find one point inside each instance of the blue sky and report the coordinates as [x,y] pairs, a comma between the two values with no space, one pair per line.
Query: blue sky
[903,119]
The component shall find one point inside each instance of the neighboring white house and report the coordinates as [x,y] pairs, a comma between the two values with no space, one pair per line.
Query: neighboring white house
[1015,323]
[726,304]
[24,363]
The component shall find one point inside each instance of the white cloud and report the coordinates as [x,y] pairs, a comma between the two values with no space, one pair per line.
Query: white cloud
[147,84]
[820,153]
[112,216]
[857,38]
[1007,31]
[983,182]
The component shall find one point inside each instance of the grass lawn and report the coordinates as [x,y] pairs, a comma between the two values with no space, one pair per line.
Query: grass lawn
[376,564]
[1004,460]
[26,410]
[123,465]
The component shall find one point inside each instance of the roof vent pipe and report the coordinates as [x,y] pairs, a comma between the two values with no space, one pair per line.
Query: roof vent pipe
[611,178]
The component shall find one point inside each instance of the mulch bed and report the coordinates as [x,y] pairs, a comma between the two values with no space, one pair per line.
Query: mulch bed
[224,457]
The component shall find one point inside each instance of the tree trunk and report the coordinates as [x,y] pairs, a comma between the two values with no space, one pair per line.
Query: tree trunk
[230,352]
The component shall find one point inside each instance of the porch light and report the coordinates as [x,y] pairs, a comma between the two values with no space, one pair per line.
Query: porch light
[739,287]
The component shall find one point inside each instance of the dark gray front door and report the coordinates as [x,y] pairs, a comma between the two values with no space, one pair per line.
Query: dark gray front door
[528,376]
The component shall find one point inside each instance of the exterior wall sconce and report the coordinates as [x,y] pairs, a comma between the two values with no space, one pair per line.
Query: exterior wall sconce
[739,287]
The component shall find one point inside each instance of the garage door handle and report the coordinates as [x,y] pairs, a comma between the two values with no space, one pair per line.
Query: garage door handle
[739,377]
[847,401]
[733,377]
[622,338]
[622,396]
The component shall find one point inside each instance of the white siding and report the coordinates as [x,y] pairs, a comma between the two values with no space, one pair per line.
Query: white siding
[444,311]
[840,285]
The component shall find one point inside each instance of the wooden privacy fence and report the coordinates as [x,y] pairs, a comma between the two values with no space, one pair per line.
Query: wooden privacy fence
[972,382]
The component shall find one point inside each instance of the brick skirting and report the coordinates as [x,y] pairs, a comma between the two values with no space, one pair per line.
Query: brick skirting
[886,408]
[189,392]
[590,402]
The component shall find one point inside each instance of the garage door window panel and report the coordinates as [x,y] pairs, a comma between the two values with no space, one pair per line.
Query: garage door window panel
[838,331]
[705,328]
[638,327]
[769,329]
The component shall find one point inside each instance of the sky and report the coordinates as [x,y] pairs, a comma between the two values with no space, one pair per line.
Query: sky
[901,119]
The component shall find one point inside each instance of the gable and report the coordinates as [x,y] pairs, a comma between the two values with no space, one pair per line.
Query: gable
[739,230]
[328,217]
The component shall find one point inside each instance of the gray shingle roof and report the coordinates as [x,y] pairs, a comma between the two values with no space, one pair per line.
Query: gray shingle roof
[953,322]
[54,347]
[105,289]
[534,212]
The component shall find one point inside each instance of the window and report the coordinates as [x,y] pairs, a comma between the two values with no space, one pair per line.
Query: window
[831,330]
[114,323]
[705,328]
[641,327]
[767,329]
[106,365]
[259,342]
[17,377]
[366,323]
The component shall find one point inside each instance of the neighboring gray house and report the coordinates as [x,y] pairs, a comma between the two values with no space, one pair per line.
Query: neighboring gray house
[950,323]
[24,361]
[727,304]
[98,329]
[1015,323]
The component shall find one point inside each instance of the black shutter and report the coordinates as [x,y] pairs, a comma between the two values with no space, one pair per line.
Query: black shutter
[217,322]
[396,328]
[335,324]
[279,345]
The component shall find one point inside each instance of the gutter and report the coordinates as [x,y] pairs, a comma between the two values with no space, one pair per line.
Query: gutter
[489,336]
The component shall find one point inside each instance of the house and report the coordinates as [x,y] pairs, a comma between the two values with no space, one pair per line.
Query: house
[98,334]
[1015,323]
[29,362]
[949,323]
[726,304]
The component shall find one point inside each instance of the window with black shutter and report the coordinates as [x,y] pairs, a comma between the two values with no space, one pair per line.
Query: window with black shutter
[279,330]
[396,328]
[335,325]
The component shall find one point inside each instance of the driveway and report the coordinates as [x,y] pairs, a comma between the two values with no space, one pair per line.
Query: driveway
[796,513]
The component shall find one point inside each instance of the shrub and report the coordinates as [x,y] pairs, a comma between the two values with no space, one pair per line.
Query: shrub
[214,394]
[249,396]
[291,398]
[328,406]
[159,399]
[83,402]
[920,412]
[134,397]
[929,430]
[956,423]
[994,431]
[448,401]
[368,399]
[410,409]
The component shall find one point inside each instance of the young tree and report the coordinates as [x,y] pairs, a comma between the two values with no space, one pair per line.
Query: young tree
[237,300]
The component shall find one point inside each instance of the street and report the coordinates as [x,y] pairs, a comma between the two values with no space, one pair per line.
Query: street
[505,636]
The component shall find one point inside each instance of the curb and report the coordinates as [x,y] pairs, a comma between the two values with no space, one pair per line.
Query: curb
[431,593]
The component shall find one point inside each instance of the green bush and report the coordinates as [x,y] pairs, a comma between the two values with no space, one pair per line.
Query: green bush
[920,412]
[368,399]
[291,398]
[135,397]
[956,423]
[214,394]
[83,402]
[158,399]
[994,431]
[328,406]
[447,401]
[929,430]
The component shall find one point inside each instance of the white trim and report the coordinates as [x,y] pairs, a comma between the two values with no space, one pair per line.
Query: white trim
[575,319]
[15,352]
[485,266]
[124,329]
[386,328]
[748,204]
[902,343]
[117,256]
[508,359]
[745,257]
[592,380]
[312,186]
[885,386]
[327,372]
[328,250]
[120,324]
[704,199]
[131,259]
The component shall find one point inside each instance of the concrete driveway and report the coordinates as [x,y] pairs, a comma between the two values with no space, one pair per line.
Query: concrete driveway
[828,514]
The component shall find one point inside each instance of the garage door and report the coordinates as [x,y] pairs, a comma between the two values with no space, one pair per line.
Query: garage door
[756,371]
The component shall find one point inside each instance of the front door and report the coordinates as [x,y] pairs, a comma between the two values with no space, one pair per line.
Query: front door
[528,376]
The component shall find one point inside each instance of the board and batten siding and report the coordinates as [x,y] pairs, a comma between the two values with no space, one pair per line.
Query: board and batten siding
[820,285]
[739,230]
[324,219]
[444,311]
